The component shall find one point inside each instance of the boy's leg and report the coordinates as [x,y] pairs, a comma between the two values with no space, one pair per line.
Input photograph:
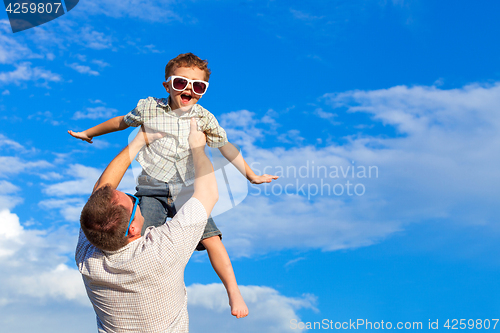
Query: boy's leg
[153,211]
[211,241]
[152,195]
[222,266]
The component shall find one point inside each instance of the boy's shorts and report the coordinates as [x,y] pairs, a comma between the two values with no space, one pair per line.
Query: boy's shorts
[159,200]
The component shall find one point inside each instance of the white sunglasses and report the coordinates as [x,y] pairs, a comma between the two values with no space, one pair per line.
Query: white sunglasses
[180,83]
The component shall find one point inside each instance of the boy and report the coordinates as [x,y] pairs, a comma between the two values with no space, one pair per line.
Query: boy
[168,172]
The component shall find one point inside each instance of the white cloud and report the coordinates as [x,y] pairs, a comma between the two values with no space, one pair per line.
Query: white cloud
[150,48]
[11,228]
[96,113]
[33,264]
[45,116]
[94,39]
[82,69]
[100,63]
[303,16]
[59,282]
[327,223]
[440,167]
[100,144]
[293,261]
[11,50]
[128,182]
[10,165]
[8,143]
[291,136]
[5,93]
[46,38]
[24,72]
[51,175]
[7,199]
[330,116]
[97,101]
[269,311]
[70,209]
[8,187]
[83,185]
[81,57]
[158,11]
[243,126]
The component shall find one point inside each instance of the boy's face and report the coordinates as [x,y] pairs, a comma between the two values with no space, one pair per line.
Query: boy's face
[184,99]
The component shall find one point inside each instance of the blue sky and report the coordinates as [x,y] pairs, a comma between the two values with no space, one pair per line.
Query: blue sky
[409,89]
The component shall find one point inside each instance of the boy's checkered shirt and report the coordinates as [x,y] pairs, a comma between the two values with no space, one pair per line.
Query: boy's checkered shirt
[163,158]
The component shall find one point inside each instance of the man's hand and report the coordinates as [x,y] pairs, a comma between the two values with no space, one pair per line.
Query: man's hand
[205,184]
[196,138]
[265,178]
[119,165]
[147,135]
[81,135]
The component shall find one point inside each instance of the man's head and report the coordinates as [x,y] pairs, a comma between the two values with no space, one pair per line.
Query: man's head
[186,80]
[105,219]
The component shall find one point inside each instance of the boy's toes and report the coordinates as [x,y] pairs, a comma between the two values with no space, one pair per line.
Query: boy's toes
[239,313]
[243,314]
[238,307]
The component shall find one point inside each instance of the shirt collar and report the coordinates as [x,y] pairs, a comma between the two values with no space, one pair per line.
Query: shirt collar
[163,102]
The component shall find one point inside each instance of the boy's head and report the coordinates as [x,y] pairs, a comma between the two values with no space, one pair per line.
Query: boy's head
[187,60]
[186,80]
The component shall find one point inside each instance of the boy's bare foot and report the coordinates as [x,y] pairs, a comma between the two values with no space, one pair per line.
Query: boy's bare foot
[238,307]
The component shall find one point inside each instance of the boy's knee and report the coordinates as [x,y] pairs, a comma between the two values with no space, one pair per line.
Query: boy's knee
[211,241]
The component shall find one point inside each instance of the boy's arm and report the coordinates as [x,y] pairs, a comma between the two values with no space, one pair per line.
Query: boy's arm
[115,170]
[233,155]
[205,184]
[112,125]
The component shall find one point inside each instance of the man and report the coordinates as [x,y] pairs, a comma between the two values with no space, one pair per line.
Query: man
[136,284]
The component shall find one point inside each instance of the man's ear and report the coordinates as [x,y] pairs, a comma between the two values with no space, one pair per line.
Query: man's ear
[134,230]
[166,86]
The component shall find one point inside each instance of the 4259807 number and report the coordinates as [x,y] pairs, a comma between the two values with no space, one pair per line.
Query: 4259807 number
[40,8]
[462,324]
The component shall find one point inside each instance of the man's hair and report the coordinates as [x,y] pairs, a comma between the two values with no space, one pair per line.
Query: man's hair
[187,60]
[103,221]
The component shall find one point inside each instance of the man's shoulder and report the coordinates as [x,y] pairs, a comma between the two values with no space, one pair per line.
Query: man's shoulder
[84,248]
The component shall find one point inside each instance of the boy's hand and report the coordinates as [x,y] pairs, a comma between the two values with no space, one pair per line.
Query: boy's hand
[196,138]
[265,178]
[81,135]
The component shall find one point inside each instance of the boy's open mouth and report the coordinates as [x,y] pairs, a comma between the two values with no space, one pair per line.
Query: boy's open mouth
[186,98]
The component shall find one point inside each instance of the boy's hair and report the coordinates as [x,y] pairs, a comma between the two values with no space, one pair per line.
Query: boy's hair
[187,60]
[103,221]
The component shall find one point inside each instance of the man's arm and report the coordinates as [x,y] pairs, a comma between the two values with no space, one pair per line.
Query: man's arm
[205,184]
[112,125]
[114,172]
[233,155]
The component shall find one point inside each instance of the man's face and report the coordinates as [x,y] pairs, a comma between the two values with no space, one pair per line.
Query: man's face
[185,99]
[124,200]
